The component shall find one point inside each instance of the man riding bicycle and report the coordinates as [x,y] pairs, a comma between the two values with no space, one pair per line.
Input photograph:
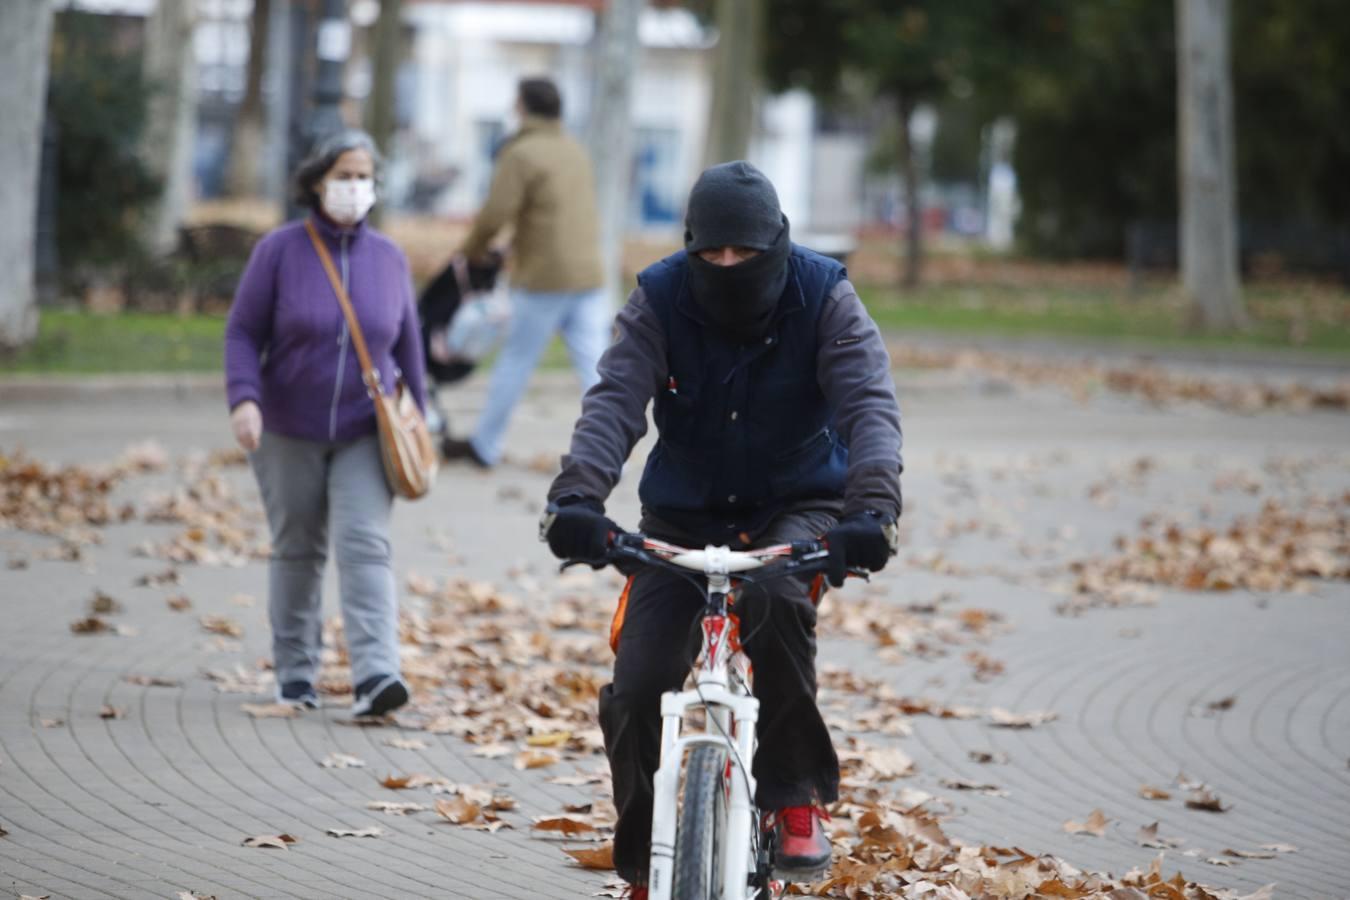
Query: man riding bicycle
[777,421]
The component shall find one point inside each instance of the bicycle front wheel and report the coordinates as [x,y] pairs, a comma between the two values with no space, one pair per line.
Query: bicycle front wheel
[702,826]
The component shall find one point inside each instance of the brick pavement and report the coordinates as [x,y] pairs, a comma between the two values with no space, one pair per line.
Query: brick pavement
[156,802]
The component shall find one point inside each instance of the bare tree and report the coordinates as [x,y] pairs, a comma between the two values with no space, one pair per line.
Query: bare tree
[244,175]
[381,112]
[611,128]
[25,36]
[736,79]
[1209,240]
[170,123]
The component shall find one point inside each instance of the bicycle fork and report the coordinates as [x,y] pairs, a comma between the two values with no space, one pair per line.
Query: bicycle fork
[735,715]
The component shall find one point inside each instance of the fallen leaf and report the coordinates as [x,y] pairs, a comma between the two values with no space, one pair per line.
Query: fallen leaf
[458,810]
[1221,705]
[961,784]
[889,763]
[342,761]
[536,759]
[1148,837]
[492,751]
[104,604]
[563,825]
[396,782]
[392,808]
[152,680]
[111,712]
[1095,824]
[1151,793]
[222,625]
[179,603]
[548,739]
[406,743]
[372,831]
[985,756]
[168,576]
[598,858]
[1280,848]
[1206,800]
[270,710]
[1001,718]
[193,895]
[247,601]
[52,723]
[1250,854]
[274,841]
[90,625]
[1220,861]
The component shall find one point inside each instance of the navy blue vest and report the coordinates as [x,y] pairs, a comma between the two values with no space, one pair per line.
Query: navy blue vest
[744,429]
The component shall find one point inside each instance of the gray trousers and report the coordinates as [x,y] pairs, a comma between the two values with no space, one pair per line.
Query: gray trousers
[309,489]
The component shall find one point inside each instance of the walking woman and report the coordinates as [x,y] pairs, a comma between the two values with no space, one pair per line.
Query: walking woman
[299,407]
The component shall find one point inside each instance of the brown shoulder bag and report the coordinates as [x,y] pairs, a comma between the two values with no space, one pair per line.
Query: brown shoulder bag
[406,447]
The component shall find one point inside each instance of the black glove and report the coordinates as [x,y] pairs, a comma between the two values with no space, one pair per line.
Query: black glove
[578,529]
[859,540]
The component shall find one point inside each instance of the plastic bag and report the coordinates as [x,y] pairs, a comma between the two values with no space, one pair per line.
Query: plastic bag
[478,327]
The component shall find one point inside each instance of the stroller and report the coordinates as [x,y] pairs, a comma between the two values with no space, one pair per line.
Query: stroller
[451,353]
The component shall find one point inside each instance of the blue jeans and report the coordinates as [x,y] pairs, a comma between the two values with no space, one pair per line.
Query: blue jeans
[583,318]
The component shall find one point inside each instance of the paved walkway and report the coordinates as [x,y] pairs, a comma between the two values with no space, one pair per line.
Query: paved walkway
[157,801]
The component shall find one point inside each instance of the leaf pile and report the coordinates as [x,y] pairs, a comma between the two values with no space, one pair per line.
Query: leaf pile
[1275,551]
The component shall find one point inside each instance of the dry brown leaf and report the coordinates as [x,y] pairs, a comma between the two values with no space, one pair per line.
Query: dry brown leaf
[1223,705]
[985,756]
[1220,861]
[90,625]
[1148,837]
[193,895]
[1206,800]
[152,680]
[1095,825]
[597,858]
[1280,848]
[342,761]
[372,831]
[548,739]
[563,825]
[104,604]
[889,763]
[396,782]
[111,712]
[179,603]
[406,743]
[1250,854]
[272,841]
[1002,718]
[222,625]
[392,808]
[536,759]
[1152,793]
[270,710]
[458,810]
[492,751]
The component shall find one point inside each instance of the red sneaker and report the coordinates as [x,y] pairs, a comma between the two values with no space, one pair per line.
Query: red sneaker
[802,848]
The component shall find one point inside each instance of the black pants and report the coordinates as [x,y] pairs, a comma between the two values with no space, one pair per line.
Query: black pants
[795,763]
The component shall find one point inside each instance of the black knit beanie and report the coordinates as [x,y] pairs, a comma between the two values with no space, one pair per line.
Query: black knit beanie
[732,205]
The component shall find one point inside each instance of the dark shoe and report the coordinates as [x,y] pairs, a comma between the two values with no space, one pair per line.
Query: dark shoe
[378,695]
[298,693]
[636,892]
[454,449]
[802,849]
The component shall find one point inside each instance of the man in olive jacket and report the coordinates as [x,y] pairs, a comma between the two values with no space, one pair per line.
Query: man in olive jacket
[777,421]
[543,188]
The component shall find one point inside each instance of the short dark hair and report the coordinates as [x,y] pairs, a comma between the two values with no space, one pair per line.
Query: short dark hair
[322,158]
[540,97]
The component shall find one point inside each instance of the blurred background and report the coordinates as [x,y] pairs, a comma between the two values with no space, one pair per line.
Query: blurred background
[1009,167]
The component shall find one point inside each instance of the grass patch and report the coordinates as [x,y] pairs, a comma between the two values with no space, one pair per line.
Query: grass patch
[1303,318]
[77,343]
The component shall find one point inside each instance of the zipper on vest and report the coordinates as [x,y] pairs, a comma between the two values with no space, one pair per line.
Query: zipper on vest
[342,348]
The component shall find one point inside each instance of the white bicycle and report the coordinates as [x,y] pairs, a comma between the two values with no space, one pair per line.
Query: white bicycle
[707,839]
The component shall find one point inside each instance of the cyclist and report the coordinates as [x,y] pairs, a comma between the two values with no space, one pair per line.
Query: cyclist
[777,421]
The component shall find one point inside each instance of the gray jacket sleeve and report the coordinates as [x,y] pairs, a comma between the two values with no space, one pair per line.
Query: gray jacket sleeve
[854,371]
[614,412]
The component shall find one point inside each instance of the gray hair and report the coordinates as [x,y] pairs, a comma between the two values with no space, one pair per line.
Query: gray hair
[322,157]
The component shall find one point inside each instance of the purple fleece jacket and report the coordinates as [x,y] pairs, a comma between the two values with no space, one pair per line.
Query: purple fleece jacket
[286,342]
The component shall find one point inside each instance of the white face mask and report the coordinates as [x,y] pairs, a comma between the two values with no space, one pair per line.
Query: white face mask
[348,200]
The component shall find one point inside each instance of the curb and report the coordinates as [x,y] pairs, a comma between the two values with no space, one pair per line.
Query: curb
[48,388]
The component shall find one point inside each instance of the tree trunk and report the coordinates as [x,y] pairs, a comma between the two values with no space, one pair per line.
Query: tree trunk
[909,175]
[736,79]
[611,129]
[381,113]
[171,118]
[243,176]
[1209,240]
[25,35]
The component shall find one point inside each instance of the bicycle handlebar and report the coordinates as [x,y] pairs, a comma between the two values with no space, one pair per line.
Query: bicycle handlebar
[801,557]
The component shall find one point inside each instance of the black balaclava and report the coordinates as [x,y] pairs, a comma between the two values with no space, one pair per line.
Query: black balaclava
[734,205]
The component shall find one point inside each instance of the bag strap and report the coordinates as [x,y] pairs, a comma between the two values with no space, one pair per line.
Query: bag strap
[369,374]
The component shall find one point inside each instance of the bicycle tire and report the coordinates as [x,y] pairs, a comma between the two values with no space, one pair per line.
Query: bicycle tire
[701,827]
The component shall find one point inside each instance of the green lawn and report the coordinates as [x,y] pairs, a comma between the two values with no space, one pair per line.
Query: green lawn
[74,342]
[1306,319]
[1310,319]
